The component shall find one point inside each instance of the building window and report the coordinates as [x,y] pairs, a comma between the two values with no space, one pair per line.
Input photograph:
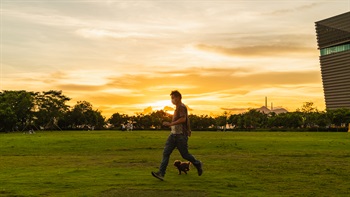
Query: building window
[335,49]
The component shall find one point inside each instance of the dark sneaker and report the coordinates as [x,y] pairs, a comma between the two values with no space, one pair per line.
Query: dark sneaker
[158,175]
[199,168]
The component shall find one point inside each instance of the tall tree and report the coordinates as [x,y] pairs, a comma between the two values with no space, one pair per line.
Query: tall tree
[203,122]
[116,120]
[309,114]
[158,117]
[50,106]
[221,121]
[144,121]
[83,116]
[339,117]
[15,109]
[255,119]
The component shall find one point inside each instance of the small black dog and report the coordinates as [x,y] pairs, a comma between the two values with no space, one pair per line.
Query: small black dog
[182,166]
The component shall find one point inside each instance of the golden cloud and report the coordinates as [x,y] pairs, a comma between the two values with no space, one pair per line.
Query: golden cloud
[148,110]
[79,88]
[169,109]
[235,110]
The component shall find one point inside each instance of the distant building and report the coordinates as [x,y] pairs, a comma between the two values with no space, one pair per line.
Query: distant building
[333,38]
[266,110]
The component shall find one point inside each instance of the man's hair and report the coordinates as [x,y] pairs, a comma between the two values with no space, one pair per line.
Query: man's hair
[176,93]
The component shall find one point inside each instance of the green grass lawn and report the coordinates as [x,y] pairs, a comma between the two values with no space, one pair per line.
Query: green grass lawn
[114,163]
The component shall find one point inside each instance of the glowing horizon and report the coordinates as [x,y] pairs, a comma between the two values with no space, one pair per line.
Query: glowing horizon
[127,56]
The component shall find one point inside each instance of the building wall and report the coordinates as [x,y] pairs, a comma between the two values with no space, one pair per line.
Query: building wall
[333,38]
[335,69]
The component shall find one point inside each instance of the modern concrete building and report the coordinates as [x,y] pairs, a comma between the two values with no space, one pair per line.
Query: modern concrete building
[333,38]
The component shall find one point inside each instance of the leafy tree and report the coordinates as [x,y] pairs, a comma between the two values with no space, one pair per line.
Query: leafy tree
[15,110]
[323,119]
[339,116]
[236,120]
[221,121]
[82,116]
[308,107]
[158,117]
[203,122]
[118,119]
[50,106]
[207,121]
[255,119]
[293,119]
[144,121]
[309,114]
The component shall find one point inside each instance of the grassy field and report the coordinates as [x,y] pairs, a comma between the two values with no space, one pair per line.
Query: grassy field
[114,163]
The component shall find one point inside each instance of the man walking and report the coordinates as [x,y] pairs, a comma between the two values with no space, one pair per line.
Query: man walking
[180,131]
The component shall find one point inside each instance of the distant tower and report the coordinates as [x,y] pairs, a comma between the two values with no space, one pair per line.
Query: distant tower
[266,101]
[271,105]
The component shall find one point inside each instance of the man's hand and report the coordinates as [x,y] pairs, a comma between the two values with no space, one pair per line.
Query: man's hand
[167,124]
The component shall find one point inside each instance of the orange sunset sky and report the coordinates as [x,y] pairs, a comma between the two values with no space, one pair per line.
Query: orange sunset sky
[127,56]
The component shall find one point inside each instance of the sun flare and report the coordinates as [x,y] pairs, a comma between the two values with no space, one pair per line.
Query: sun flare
[164,105]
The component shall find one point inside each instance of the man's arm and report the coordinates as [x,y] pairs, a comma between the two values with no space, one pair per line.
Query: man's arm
[179,121]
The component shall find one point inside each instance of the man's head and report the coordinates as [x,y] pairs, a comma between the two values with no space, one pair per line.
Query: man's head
[176,97]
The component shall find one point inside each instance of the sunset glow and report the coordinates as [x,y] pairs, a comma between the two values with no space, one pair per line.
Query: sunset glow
[127,56]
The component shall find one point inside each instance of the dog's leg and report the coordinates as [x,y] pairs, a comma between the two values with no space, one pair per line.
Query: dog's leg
[179,172]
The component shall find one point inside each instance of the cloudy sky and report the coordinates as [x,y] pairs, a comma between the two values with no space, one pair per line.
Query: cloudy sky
[126,56]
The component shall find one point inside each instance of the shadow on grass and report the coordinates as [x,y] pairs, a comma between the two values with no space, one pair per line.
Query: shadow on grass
[145,193]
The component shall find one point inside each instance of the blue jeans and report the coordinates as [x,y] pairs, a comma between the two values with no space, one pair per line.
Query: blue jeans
[179,142]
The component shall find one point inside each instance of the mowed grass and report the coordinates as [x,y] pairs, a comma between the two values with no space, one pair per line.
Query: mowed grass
[114,163]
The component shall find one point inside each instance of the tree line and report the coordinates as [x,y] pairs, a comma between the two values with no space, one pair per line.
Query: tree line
[48,110]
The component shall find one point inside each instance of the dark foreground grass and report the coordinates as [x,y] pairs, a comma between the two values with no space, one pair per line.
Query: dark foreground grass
[113,163]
